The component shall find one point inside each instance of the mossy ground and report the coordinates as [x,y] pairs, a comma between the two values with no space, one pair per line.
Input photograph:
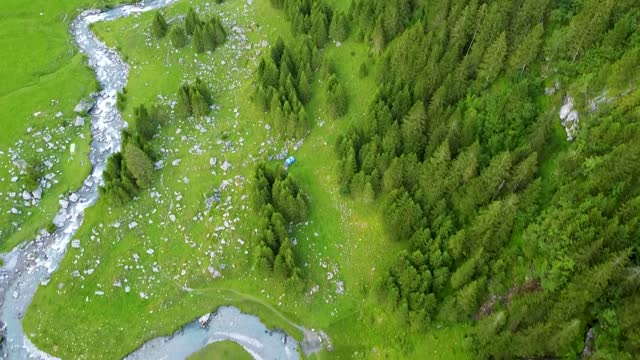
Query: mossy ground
[342,241]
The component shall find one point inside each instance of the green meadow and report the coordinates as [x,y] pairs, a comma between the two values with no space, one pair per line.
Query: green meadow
[164,263]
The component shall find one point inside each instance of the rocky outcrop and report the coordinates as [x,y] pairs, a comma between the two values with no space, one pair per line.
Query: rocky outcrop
[570,118]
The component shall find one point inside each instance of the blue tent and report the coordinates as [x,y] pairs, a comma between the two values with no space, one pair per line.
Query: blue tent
[290,161]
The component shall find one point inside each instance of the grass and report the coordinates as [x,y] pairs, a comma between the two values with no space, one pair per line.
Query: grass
[224,350]
[343,236]
[43,73]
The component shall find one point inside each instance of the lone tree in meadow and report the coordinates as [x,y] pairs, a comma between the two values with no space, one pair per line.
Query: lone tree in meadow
[159,27]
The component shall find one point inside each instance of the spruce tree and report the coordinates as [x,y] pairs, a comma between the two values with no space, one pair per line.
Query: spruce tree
[139,164]
[339,29]
[493,61]
[319,28]
[199,42]
[183,108]
[178,37]
[199,104]
[191,21]
[528,50]
[159,26]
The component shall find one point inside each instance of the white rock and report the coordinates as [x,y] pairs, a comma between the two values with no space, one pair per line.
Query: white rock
[63,203]
[79,121]
[225,166]
[99,293]
[73,197]
[26,195]
[172,218]
[37,194]
[150,251]
[75,244]
[133,224]
[127,289]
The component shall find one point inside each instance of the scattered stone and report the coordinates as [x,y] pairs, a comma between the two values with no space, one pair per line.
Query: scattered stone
[79,121]
[75,244]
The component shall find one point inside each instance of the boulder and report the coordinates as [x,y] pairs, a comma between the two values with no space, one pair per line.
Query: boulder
[79,121]
[64,204]
[37,194]
[84,106]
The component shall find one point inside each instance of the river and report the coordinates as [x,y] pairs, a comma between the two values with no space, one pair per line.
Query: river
[33,263]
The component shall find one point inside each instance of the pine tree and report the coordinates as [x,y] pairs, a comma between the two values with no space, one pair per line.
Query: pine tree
[159,27]
[414,128]
[183,108]
[145,125]
[204,91]
[304,87]
[319,28]
[339,29]
[199,43]
[178,37]
[199,104]
[493,61]
[528,50]
[191,21]
[139,164]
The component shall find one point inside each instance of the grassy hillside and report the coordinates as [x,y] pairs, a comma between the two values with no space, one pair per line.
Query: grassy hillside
[450,216]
